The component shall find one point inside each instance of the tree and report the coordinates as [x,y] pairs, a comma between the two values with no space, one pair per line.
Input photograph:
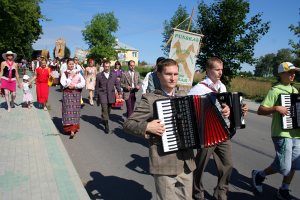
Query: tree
[20,26]
[179,16]
[283,55]
[265,65]
[296,47]
[67,52]
[98,35]
[228,36]
[268,64]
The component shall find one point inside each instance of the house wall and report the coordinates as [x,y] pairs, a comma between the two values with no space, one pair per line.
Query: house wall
[128,56]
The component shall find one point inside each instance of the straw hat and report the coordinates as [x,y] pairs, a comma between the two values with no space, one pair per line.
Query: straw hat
[9,53]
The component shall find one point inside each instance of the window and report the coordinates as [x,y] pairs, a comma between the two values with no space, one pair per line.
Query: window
[133,54]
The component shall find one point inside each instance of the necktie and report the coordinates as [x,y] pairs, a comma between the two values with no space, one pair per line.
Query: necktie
[132,77]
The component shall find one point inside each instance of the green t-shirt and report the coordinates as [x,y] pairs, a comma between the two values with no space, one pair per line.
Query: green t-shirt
[271,100]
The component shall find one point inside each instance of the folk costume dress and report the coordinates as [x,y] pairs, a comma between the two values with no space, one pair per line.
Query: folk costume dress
[42,87]
[55,70]
[91,78]
[71,103]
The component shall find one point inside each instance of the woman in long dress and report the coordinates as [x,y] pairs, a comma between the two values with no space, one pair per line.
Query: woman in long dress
[72,82]
[8,76]
[43,73]
[90,77]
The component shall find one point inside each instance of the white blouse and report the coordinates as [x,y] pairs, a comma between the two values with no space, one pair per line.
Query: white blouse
[66,82]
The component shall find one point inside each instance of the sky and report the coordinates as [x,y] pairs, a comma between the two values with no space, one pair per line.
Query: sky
[141,23]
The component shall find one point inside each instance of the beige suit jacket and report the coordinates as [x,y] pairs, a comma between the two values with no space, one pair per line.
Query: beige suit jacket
[170,163]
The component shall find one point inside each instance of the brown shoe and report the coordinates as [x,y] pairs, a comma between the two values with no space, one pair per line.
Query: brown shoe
[82,105]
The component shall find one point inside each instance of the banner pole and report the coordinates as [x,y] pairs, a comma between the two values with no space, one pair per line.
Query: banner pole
[191,19]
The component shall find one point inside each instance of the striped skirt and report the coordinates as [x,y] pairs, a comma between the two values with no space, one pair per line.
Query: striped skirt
[71,106]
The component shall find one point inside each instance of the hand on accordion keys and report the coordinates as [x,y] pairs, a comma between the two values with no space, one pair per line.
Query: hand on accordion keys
[226,110]
[155,127]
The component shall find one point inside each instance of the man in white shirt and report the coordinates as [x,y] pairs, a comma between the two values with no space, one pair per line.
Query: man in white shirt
[78,67]
[37,62]
[221,153]
[64,66]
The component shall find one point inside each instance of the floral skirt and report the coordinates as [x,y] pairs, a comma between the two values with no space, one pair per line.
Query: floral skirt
[27,97]
[71,106]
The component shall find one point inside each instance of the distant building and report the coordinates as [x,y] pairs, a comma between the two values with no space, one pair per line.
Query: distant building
[129,53]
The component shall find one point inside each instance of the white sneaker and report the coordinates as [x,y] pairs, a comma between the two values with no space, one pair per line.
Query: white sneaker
[257,180]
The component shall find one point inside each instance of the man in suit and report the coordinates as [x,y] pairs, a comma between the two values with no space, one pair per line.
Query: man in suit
[105,91]
[130,82]
[172,170]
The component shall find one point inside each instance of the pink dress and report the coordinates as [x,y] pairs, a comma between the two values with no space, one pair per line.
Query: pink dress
[91,78]
[8,79]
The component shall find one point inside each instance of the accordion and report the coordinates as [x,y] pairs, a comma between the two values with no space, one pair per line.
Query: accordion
[196,121]
[292,103]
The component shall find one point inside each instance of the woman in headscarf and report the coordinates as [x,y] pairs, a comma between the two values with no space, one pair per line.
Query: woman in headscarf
[72,82]
[8,76]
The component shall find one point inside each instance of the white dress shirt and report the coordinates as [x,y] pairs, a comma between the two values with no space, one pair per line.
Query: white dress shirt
[77,67]
[64,67]
[145,82]
[132,86]
[201,89]
[106,74]
[66,82]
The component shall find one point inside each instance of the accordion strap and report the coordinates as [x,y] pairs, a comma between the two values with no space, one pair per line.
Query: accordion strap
[286,90]
[213,89]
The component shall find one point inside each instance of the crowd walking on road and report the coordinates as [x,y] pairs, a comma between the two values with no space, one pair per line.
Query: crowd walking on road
[177,174]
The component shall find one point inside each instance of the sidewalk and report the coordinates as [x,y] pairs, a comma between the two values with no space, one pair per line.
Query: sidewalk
[252,105]
[34,163]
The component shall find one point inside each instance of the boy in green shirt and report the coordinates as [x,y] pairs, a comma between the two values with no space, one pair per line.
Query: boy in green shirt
[286,142]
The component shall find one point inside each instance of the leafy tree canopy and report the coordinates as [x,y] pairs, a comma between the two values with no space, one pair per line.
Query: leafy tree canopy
[228,35]
[20,26]
[98,35]
[265,65]
[268,64]
[296,46]
[179,16]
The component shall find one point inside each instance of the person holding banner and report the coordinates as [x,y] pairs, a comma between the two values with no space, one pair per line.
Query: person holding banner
[173,171]
[222,153]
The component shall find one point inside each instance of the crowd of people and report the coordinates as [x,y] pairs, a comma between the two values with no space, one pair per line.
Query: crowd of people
[177,174]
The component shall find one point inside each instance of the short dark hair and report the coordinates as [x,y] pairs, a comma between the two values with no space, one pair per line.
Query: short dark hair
[118,64]
[159,59]
[165,63]
[130,62]
[70,59]
[211,62]
[105,61]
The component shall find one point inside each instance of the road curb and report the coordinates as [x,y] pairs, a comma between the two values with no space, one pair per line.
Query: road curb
[82,193]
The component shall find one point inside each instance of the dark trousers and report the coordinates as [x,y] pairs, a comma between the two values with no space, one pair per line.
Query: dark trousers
[106,107]
[223,159]
[130,103]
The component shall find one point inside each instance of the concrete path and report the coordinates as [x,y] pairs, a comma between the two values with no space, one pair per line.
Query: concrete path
[34,163]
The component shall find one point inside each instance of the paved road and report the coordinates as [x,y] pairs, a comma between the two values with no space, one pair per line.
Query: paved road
[115,165]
